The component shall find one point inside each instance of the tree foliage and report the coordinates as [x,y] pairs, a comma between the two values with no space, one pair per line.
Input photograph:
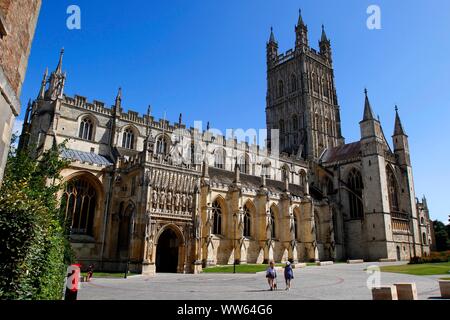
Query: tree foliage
[442,236]
[34,247]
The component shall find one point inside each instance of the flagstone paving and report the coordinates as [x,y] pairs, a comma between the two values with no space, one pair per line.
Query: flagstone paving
[335,282]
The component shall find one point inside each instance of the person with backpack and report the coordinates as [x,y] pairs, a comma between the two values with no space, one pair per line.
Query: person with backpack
[288,275]
[271,276]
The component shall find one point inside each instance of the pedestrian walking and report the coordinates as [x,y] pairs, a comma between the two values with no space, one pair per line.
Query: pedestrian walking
[90,272]
[271,276]
[288,275]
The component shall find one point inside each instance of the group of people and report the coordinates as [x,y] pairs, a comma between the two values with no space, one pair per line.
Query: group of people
[271,276]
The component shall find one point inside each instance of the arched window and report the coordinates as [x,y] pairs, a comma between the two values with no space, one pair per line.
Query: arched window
[281,125]
[220,159]
[78,202]
[295,227]
[392,190]
[272,224]
[86,129]
[125,217]
[422,220]
[217,218]
[293,83]
[247,222]
[295,123]
[162,146]
[424,238]
[128,139]
[280,89]
[266,170]
[244,164]
[355,184]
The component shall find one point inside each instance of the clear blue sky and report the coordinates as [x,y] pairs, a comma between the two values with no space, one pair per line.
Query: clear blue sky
[206,59]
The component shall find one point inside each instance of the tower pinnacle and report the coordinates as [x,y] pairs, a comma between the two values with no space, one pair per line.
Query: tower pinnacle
[398,128]
[368,112]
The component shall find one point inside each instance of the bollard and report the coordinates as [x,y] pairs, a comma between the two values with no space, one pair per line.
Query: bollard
[72,282]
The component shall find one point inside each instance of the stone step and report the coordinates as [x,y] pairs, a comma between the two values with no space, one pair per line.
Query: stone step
[299,265]
[355,261]
[324,263]
[387,260]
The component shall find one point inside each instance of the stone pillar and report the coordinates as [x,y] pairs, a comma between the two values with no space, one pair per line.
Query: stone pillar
[197,241]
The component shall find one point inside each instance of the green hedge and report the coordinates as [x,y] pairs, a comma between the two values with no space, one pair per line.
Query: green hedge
[34,247]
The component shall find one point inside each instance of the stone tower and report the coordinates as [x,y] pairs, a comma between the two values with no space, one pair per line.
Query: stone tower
[377,211]
[301,98]
[44,114]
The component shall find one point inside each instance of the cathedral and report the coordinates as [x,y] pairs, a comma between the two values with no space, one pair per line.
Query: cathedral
[155,196]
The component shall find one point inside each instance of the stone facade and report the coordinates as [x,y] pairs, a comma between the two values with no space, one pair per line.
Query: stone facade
[18,20]
[167,198]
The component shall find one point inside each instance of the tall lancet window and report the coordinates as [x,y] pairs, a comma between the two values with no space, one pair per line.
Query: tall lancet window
[86,129]
[247,221]
[392,190]
[355,185]
[272,223]
[280,89]
[220,159]
[162,145]
[128,139]
[293,83]
[217,218]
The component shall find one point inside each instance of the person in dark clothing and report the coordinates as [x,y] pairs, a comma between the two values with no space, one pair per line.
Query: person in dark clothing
[288,275]
[271,276]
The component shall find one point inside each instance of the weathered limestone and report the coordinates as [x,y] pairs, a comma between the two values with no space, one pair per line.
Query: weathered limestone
[226,201]
[385,293]
[406,291]
[444,285]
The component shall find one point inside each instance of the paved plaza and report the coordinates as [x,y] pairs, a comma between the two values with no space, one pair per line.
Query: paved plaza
[335,282]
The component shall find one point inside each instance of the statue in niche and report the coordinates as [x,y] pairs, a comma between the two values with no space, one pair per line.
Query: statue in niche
[177,202]
[154,199]
[183,202]
[169,200]
[162,200]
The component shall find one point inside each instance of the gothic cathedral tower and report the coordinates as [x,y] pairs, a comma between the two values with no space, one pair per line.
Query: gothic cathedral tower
[301,97]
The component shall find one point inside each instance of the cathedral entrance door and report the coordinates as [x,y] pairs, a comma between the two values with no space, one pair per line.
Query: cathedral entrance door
[167,252]
[399,257]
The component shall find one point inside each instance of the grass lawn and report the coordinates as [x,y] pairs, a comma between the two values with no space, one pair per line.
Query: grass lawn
[426,269]
[242,268]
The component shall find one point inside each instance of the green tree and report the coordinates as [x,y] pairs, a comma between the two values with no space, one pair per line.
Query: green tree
[34,246]
[441,236]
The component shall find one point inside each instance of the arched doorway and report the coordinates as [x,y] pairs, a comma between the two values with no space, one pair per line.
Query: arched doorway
[399,257]
[167,252]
